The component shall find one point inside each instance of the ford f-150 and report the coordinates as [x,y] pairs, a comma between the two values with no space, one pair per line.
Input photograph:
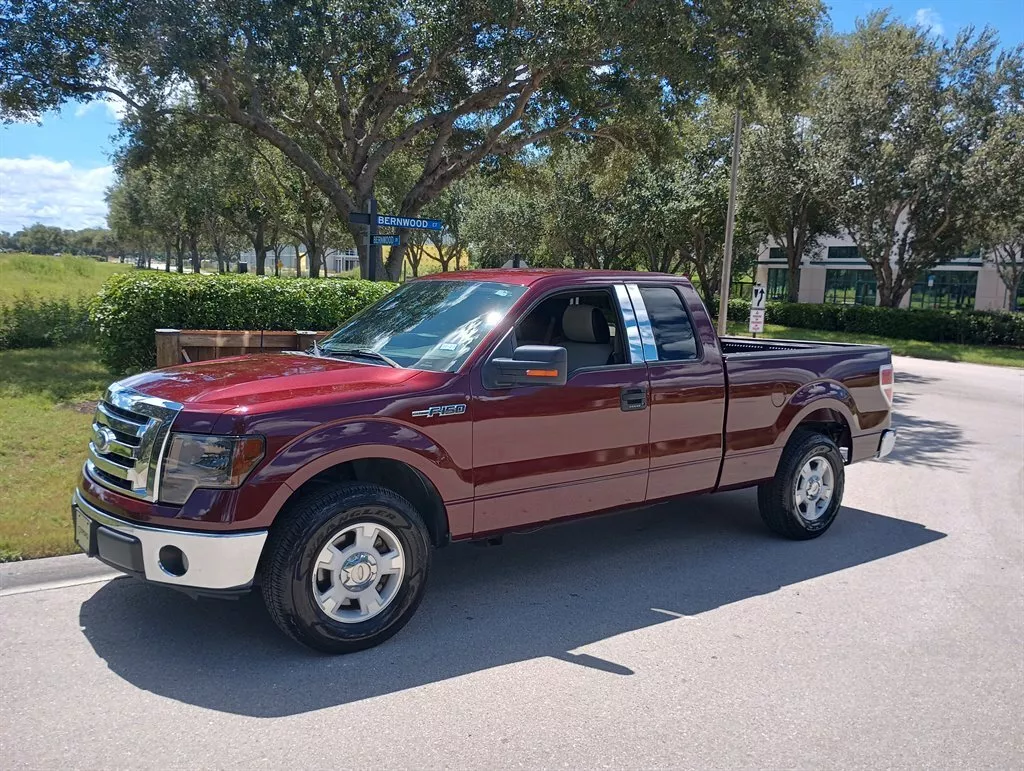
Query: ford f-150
[462,406]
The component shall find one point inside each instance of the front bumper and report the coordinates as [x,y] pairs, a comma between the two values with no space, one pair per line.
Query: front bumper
[886,442]
[199,561]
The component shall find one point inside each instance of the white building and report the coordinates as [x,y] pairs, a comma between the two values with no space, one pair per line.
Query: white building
[338,260]
[836,273]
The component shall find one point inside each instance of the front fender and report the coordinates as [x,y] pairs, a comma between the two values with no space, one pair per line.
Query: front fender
[364,438]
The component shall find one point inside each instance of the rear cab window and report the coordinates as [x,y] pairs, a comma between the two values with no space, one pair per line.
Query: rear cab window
[670,322]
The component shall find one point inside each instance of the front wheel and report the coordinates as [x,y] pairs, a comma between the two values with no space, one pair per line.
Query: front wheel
[802,499]
[346,567]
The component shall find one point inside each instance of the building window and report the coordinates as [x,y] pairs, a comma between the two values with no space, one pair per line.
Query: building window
[776,253]
[843,253]
[950,289]
[850,287]
[777,283]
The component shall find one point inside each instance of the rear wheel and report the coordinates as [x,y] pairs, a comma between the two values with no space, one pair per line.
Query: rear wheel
[346,567]
[803,498]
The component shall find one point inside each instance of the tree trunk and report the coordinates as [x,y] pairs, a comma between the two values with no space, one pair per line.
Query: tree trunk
[260,249]
[193,248]
[180,248]
[167,258]
[793,274]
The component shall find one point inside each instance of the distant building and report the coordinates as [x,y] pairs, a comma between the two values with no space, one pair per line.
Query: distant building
[338,260]
[836,273]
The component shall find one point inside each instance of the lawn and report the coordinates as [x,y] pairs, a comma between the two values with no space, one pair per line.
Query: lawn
[47,398]
[52,277]
[974,354]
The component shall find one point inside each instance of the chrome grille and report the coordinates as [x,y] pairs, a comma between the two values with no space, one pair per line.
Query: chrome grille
[129,436]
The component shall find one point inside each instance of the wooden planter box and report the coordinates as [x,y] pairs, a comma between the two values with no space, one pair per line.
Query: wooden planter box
[180,346]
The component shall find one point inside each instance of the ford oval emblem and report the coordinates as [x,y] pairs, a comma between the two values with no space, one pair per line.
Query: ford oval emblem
[104,436]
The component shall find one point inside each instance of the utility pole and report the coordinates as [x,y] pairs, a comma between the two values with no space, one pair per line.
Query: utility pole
[730,219]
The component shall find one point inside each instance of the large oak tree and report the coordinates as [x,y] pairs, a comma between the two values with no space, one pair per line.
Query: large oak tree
[342,86]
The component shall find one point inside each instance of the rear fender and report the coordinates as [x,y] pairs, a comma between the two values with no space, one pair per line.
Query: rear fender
[811,398]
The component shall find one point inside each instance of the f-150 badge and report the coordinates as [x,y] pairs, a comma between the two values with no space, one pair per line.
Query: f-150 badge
[440,411]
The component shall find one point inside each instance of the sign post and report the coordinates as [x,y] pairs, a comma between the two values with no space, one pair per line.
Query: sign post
[373,250]
[758,297]
[373,221]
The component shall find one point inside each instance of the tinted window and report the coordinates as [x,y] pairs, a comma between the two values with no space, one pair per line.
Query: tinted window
[673,333]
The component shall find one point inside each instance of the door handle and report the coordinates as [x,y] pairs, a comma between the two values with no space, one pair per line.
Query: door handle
[631,399]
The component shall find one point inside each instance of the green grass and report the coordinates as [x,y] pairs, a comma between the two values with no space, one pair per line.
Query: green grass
[52,277]
[974,354]
[47,398]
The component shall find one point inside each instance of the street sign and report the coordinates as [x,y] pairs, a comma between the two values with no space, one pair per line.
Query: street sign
[758,296]
[756,320]
[371,220]
[392,221]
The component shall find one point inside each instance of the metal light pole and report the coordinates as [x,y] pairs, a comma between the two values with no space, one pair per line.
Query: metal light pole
[730,219]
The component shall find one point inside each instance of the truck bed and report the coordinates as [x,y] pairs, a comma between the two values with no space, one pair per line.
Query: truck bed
[748,347]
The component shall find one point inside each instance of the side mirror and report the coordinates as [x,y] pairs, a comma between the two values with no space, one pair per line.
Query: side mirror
[529,365]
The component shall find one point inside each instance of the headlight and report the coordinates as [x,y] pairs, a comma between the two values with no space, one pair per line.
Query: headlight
[202,460]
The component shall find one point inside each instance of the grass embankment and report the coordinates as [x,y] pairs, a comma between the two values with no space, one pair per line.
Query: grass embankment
[973,354]
[52,277]
[47,398]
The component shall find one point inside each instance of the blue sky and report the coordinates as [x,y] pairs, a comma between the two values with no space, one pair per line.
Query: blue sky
[56,172]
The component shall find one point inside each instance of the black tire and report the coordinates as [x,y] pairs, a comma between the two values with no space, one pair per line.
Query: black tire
[776,500]
[298,536]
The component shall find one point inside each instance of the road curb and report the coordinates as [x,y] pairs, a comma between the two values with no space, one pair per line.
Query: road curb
[52,572]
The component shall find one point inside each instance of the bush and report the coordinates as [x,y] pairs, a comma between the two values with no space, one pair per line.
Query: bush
[131,306]
[33,322]
[932,326]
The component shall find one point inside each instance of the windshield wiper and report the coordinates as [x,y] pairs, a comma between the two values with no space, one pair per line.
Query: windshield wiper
[361,353]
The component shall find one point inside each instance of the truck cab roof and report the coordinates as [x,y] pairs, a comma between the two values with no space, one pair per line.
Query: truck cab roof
[528,276]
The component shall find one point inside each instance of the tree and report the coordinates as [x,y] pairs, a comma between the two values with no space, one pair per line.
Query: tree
[585,212]
[902,115]
[998,182]
[341,87]
[505,218]
[787,185]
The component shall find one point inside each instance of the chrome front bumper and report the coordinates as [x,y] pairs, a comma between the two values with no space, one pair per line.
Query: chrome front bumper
[886,443]
[189,560]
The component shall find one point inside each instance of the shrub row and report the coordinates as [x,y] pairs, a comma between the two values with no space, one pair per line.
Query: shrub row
[131,306]
[32,322]
[934,326]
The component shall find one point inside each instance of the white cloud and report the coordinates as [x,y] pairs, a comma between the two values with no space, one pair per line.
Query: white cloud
[929,20]
[53,192]
[113,105]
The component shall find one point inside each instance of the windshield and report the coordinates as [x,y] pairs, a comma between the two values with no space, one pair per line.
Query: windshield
[431,325]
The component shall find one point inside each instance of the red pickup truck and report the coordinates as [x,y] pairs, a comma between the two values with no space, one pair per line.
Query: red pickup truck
[462,406]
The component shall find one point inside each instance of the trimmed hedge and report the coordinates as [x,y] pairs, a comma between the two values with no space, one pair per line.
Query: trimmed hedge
[933,326]
[33,322]
[131,306]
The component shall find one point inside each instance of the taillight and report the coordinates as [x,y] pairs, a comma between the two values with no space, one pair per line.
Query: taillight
[886,378]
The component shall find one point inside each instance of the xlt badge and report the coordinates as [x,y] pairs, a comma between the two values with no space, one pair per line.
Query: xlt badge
[440,411]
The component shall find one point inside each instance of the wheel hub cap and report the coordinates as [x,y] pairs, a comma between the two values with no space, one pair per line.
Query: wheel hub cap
[815,484]
[358,571]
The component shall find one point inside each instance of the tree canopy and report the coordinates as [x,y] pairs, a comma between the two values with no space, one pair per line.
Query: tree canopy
[340,87]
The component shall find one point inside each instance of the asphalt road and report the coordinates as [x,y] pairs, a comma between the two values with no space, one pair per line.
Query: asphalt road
[682,636]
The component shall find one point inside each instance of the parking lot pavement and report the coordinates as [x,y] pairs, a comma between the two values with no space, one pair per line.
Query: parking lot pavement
[678,636]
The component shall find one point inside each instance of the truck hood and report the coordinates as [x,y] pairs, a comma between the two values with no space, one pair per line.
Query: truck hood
[249,383]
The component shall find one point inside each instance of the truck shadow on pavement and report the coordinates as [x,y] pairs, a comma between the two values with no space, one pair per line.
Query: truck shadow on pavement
[922,441]
[543,594]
